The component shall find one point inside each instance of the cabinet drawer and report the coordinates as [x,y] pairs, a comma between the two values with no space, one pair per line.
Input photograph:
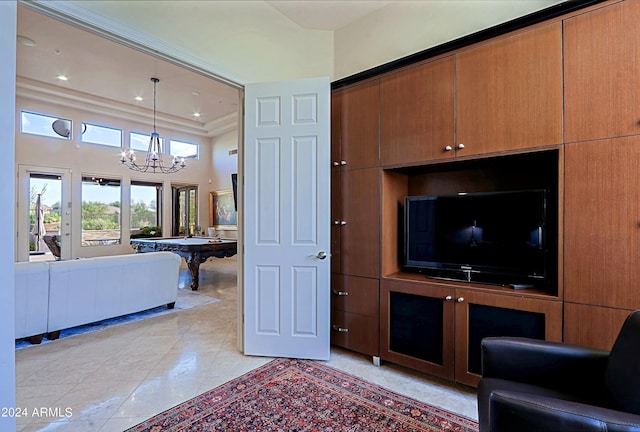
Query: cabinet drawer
[355,332]
[355,295]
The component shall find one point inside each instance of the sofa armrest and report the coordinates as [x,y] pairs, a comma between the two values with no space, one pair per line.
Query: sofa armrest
[524,412]
[543,363]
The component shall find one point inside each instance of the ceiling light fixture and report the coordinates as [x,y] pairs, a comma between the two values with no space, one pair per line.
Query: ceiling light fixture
[26,41]
[196,114]
[62,77]
[153,160]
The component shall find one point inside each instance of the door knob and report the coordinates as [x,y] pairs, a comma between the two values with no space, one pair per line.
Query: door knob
[460,146]
[448,148]
[321,255]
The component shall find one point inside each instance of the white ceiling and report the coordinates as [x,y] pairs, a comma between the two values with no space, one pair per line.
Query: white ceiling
[99,67]
[327,14]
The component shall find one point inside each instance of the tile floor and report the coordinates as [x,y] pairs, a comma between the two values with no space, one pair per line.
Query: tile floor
[110,380]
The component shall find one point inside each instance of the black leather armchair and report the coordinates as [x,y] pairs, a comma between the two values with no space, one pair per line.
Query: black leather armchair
[534,385]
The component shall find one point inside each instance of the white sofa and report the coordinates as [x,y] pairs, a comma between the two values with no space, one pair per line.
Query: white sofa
[87,290]
[32,300]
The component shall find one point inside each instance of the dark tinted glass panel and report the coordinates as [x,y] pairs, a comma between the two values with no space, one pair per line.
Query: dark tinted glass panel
[487,321]
[416,326]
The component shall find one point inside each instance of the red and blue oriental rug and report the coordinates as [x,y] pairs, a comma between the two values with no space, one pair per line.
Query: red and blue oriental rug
[301,395]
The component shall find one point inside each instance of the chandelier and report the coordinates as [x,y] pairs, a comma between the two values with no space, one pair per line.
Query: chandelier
[153,160]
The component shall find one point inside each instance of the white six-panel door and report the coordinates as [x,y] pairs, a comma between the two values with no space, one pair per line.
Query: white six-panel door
[287,219]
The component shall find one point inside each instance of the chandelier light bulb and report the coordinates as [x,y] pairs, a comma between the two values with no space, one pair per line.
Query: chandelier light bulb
[153,161]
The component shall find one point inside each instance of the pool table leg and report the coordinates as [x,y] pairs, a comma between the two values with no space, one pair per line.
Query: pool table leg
[193,264]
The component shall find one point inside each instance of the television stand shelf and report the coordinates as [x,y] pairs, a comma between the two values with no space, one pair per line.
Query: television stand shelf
[436,326]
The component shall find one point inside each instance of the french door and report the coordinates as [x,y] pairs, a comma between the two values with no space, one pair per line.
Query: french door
[44,213]
[184,210]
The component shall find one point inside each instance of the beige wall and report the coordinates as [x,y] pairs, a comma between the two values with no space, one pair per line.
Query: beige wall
[84,159]
[223,165]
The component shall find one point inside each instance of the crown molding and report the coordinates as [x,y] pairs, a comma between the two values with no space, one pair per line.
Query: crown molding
[222,125]
[36,90]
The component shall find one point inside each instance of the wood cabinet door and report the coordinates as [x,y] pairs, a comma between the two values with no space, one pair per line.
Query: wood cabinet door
[416,113]
[336,221]
[360,234]
[416,326]
[336,128]
[602,73]
[482,314]
[593,326]
[509,93]
[359,123]
[355,294]
[355,304]
[602,223]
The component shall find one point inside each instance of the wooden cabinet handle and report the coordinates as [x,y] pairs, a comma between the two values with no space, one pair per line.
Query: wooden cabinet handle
[339,329]
[340,293]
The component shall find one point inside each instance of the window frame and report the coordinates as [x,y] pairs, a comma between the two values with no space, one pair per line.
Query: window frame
[53,134]
[191,157]
[89,179]
[87,124]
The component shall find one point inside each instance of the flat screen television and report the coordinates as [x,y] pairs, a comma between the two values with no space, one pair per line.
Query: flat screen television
[494,237]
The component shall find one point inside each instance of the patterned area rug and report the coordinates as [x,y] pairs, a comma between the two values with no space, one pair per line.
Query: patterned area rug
[302,395]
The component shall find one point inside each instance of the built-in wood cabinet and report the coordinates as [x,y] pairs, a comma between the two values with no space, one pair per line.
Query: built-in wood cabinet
[437,327]
[355,233]
[499,107]
[602,72]
[509,93]
[358,269]
[417,113]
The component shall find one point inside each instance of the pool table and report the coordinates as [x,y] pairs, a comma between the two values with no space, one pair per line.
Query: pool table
[195,250]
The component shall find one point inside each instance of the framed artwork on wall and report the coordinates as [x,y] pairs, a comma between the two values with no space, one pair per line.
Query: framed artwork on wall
[222,212]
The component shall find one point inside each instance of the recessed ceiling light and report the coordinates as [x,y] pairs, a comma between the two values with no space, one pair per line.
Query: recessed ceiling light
[139,98]
[195,93]
[62,77]
[196,114]
[25,41]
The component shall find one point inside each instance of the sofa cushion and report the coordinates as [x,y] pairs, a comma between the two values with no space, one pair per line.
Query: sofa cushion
[92,289]
[31,298]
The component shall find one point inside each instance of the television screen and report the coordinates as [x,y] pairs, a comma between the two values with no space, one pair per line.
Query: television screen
[234,184]
[497,236]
